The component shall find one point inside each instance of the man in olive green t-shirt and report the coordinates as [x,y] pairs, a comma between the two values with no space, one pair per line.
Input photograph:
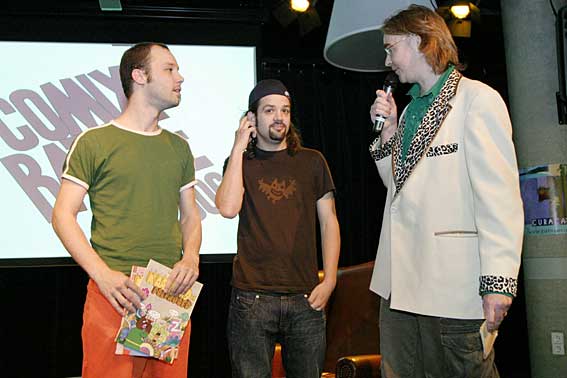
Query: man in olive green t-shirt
[139,177]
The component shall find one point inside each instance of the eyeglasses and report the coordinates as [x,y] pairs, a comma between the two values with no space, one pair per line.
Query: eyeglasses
[389,48]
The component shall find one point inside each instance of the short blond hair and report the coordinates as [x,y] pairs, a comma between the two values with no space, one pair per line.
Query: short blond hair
[437,44]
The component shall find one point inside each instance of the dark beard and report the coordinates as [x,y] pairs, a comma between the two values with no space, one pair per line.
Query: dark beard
[276,136]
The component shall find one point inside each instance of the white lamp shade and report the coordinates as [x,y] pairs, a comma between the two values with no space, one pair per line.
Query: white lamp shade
[354,40]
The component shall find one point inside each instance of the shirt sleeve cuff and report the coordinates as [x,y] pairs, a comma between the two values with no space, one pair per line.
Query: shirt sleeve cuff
[498,284]
[495,292]
[379,152]
[187,186]
[75,180]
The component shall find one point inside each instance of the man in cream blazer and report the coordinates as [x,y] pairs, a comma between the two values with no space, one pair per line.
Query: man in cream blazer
[450,245]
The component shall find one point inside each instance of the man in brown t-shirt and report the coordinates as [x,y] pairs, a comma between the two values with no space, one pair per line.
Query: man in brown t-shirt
[279,189]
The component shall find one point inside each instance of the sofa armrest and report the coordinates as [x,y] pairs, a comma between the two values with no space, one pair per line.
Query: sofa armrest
[361,366]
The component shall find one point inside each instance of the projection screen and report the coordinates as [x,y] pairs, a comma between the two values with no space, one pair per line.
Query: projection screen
[50,92]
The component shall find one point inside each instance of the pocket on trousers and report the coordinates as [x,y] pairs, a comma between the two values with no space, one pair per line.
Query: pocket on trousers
[462,348]
[461,335]
[244,301]
[316,314]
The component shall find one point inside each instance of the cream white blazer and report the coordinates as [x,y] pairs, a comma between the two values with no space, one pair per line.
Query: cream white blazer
[453,218]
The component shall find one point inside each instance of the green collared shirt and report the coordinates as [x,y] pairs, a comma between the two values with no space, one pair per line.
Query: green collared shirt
[418,107]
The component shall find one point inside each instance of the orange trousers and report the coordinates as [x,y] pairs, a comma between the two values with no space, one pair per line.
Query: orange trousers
[100,326]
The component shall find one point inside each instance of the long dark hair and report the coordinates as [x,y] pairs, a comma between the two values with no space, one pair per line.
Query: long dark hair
[292,138]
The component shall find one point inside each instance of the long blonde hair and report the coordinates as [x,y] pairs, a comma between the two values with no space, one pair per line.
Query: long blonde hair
[437,44]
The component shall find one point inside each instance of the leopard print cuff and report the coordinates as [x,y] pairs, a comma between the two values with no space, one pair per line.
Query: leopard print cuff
[380,152]
[498,284]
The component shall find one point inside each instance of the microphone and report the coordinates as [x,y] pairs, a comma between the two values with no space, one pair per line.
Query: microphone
[390,84]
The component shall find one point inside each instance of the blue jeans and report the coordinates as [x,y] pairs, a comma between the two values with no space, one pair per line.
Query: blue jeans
[256,321]
[416,346]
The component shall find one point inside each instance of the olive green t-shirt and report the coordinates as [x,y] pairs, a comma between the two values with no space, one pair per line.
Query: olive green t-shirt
[134,182]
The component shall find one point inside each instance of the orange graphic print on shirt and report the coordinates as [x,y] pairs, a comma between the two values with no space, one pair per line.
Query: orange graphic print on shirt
[277,189]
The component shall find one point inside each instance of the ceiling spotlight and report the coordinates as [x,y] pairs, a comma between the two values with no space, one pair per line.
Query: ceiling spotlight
[460,11]
[299,5]
[459,16]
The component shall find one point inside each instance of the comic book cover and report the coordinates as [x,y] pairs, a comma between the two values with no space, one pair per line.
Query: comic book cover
[136,275]
[155,330]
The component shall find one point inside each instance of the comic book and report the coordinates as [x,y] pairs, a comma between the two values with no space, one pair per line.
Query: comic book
[136,275]
[155,330]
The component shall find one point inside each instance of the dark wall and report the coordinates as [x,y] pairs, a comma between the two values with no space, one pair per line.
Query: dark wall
[41,317]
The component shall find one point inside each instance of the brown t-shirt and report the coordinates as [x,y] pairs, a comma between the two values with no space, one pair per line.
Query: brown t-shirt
[277,240]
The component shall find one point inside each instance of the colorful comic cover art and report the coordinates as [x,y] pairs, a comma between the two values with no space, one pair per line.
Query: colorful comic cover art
[136,275]
[155,330]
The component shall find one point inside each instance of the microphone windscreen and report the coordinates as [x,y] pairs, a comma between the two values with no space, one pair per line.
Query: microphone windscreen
[391,80]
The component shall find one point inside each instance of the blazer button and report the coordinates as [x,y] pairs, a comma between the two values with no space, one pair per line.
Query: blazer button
[393,209]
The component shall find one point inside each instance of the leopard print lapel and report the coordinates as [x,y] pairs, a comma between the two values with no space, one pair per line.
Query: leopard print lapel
[426,132]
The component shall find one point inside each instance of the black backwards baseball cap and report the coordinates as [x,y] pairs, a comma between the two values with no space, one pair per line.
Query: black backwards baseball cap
[265,88]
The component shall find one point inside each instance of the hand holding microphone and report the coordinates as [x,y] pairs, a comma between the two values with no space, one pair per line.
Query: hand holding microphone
[384,106]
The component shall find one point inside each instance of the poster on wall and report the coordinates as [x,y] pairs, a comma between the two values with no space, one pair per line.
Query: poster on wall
[544,192]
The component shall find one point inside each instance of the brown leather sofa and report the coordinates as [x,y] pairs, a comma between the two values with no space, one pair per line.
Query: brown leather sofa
[352,328]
